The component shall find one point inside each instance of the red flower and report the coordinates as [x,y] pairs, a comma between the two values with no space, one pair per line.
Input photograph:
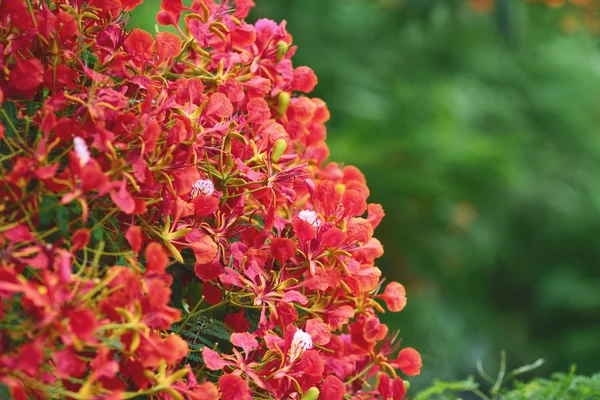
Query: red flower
[242,8]
[391,388]
[156,258]
[171,154]
[409,361]
[304,79]
[282,249]
[168,45]
[81,238]
[30,358]
[332,388]
[238,321]
[219,106]
[394,296]
[234,388]
[69,364]
[134,237]
[27,76]
[83,324]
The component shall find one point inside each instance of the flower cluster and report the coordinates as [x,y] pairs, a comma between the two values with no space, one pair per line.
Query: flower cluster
[155,189]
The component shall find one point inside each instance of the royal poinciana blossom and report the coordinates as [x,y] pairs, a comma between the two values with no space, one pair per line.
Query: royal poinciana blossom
[149,183]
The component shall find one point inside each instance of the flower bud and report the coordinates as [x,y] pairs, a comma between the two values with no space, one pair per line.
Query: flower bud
[282,49]
[278,149]
[283,101]
[311,394]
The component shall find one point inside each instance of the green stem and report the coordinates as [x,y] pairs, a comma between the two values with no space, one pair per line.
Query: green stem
[185,321]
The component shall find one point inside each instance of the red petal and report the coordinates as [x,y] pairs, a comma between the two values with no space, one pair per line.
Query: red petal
[62,265]
[371,328]
[81,238]
[19,233]
[305,79]
[219,105]
[398,389]
[394,296]
[312,363]
[129,5]
[151,136]
[30,358]
[305,231]
[208,272]
[104,364]
[409,361]
[294,296]
[27,75]
[168,45]
[340,316]
[238,321]
[368,278]
[286,315]
[204,248]
[213,360]
[212,294]
[258,110]
[244,340]
[319,331]
[206,391]
[333,388]
[68,364]
[354,203]
[242,8]
[243,35]
[138,42]
[123,199]
[205,205]
[135,238]
[83,324]
[282,249]
[375,214]
[185,179]
[234,388]
[156,258]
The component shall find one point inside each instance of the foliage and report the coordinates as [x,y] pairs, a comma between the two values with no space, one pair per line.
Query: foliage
[560,387]
[143,175]
[576,14]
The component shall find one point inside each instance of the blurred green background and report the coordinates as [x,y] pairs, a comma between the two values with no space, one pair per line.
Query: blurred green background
[479,135]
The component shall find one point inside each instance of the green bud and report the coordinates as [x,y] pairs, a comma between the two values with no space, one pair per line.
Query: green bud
[283,101]
[282,49]
[278,149]
[407,385]
[311,394]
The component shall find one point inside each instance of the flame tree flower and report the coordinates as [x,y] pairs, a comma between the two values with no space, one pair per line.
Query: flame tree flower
[169,225]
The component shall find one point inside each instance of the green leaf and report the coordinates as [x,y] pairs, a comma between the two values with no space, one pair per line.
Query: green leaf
[440,387]
[98,234]
[89,59]
[62,217]
[46,218]
[11,112]
[4,392]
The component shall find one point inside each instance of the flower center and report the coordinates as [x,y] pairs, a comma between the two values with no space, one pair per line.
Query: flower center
[81,150]
[204,187]
[302,341]
[311,217]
